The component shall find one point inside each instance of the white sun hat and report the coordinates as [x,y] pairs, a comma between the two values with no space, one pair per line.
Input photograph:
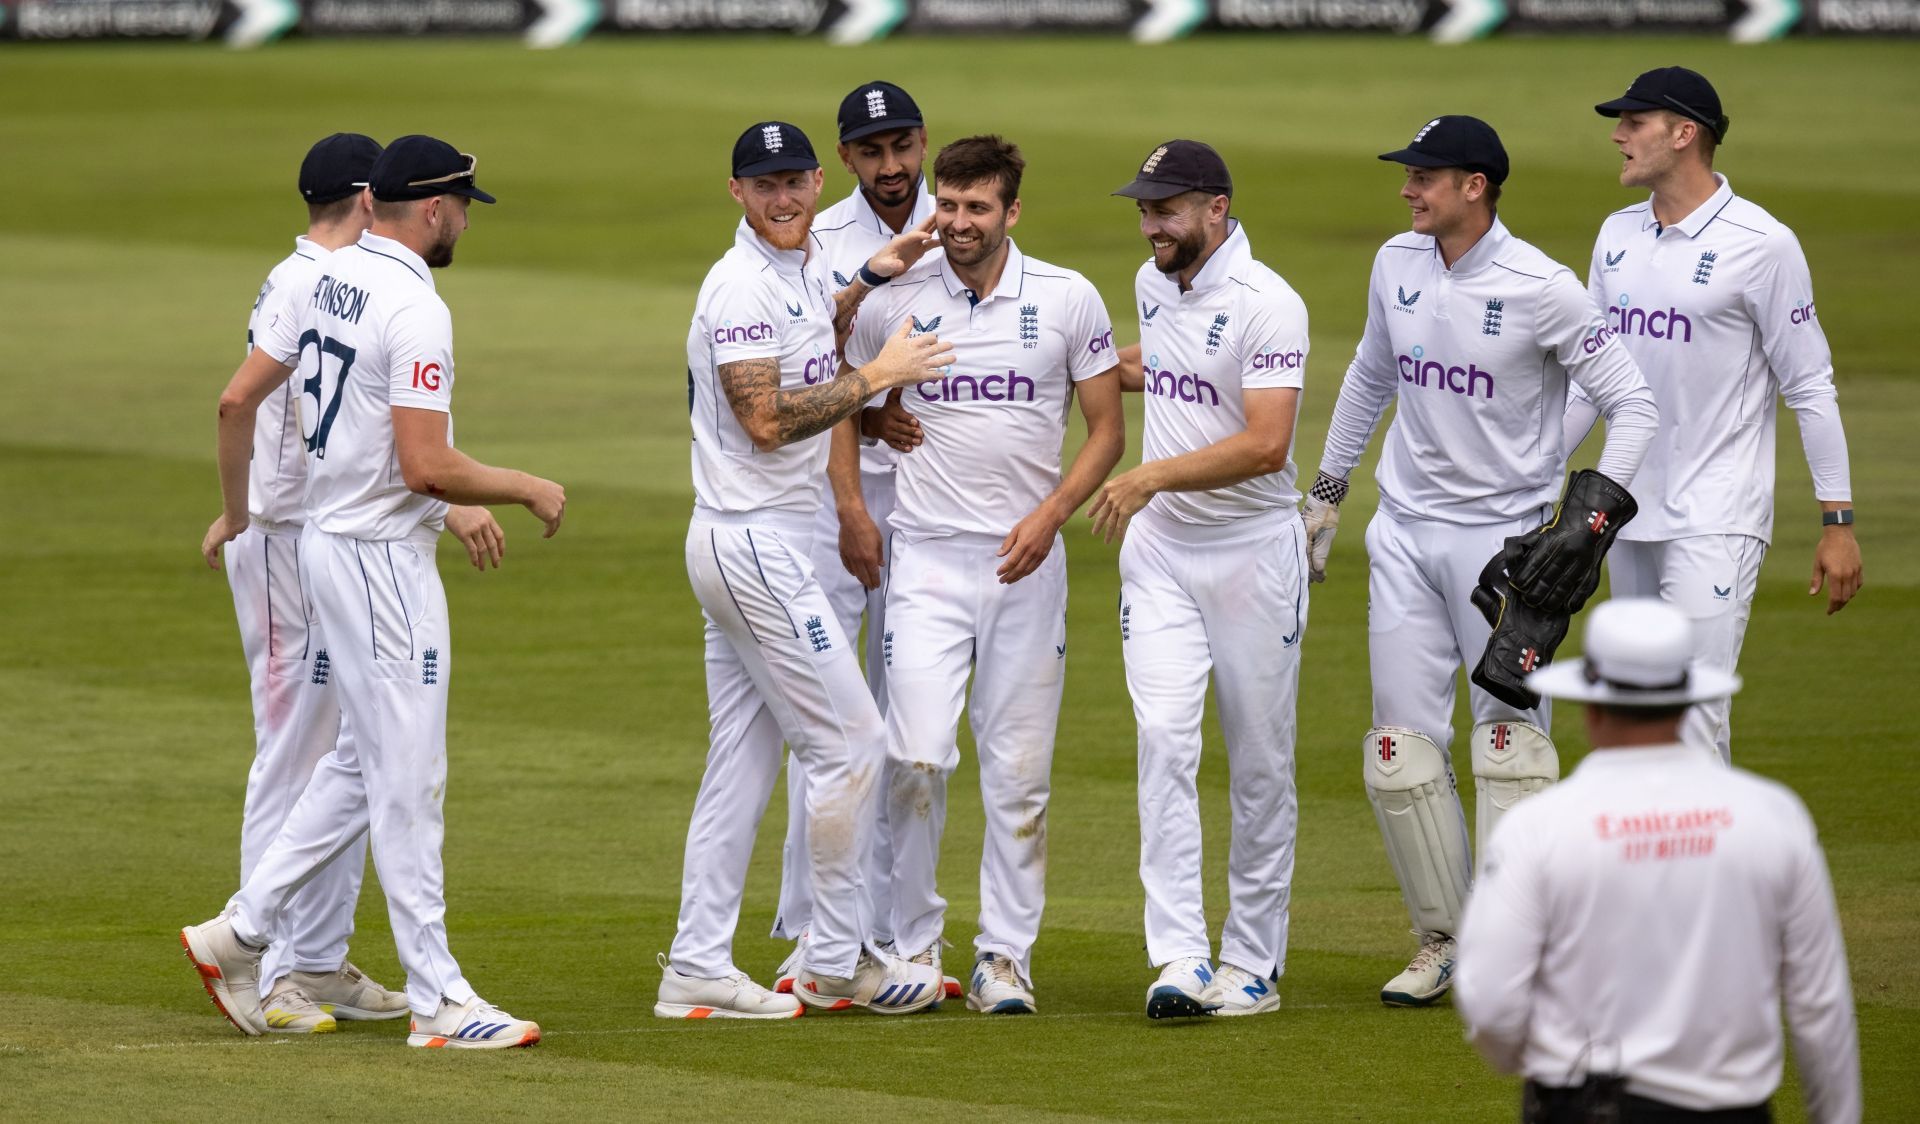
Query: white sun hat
[1637,654]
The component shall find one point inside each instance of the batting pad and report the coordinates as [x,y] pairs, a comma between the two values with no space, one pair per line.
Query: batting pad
[1414,800]
[1511,761]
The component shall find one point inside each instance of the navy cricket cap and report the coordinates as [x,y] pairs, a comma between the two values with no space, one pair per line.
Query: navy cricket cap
[337,166]
[1455,142]
[1673,88]
[876,108]
[421,167]
[1177,167]
[772,146]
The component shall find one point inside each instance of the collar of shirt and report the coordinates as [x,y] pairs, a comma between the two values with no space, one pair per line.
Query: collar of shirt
[1602,761]
[1012,278]
[1481,254]
[1228,259]
[1693,224]
[308,248]
[389,248]
[786,261]
[868,219]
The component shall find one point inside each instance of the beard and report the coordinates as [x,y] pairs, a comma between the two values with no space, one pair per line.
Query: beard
[1183,253]
[893,199]
[787,236]
[987,245]
[440,254]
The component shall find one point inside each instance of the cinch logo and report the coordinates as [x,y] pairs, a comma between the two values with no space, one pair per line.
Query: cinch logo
[1657,324]
[1010,387]
[730,332]
[1406,302]
[1279,360]
[1218,326]
[1801,314]
[1599,337]
[1184,388]
[1100,343]
[1421,371]
[820,368]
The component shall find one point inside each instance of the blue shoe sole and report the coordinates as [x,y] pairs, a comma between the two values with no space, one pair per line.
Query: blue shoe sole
[1172,1003]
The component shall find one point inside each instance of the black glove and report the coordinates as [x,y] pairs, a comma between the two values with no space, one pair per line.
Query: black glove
[1558,565]
[1524,638]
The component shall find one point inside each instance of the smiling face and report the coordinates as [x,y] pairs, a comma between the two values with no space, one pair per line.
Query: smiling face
[1177,229]
[887,164]
[1443,200]
[972,220]
[1650,143]
[779,205]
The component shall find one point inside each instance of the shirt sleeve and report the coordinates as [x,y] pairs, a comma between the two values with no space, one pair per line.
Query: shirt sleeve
[1276,343]
[420,357]
[1818,994]
[1089,333]
[1371,385]
[279,320]
[1779,297]
[1571,328]
[745,319]
[1501,941]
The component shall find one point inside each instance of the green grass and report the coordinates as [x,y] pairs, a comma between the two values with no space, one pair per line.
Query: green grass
[153,187]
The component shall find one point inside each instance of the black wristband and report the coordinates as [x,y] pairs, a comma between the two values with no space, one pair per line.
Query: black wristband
[1328,489]
[873,280]
[1841,518]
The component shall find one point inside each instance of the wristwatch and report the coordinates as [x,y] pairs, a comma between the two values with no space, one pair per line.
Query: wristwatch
[1841,518]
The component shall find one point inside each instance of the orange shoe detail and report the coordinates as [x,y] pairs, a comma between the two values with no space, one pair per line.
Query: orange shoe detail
[700,1013]
[783,987]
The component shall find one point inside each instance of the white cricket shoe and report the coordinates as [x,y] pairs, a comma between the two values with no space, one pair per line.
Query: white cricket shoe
[349,994]
[229,969]
[997,989]
[790,967]
[1237,991]
[290,1010]
[930,956]
[886,985]
[1183,989]
[1429,974]
[473,1025]
[733,996]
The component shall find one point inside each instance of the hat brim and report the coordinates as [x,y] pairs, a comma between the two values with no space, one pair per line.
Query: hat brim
[772,164]
[1159,189]
[1568,680]
[1626,104]
[407,195]
[884,125]
[1414,159]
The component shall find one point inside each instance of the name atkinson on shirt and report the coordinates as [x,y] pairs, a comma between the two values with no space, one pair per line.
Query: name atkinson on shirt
[339,299]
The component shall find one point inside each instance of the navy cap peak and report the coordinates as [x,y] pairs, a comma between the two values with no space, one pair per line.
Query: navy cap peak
[1673,88]
[772,146]
[877,107]
[1455,141]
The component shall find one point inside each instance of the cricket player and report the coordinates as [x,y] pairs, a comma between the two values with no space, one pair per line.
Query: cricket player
[978,581]
[1473,335]
[378,343]
[883,144]
[1712,298]
[762,367]
[1212,578]
[1636,929]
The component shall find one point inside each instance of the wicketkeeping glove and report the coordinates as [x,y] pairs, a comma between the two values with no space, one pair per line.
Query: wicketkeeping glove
[1321,513]
[1557,567]
[1524,638]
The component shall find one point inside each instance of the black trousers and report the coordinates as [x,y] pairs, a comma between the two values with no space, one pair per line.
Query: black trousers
[1595,1104]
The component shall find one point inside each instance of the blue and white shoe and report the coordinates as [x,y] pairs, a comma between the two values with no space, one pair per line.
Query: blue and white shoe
[1427,977]
[474,1025]
[997,989]
[1184,989]
[1237,991]
[883,984]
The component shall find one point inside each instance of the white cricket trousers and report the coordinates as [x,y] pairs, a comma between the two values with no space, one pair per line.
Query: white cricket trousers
[779,667]
[296,722]
[1712,579]
[849,600]
[1230,600]
[384,612]
[948,614]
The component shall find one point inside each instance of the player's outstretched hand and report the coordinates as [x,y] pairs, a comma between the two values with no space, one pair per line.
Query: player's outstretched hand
[1119,500]
[907,358]
[548,502]
[223,531]
[891,423]
[1836,563]
[905,249]
[861,549]
[1027,545]
[480,533]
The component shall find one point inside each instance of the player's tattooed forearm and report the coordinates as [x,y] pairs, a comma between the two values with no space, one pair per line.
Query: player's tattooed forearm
[752,387]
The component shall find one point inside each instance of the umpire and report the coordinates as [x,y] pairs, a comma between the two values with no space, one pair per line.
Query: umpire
[1635,927]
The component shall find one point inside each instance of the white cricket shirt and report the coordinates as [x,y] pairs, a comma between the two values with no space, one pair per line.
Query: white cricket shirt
[1240,327]
[845,236]
[1657,906]
[993,423]
[1478,358]
[277,476]
[1718,312]
[758,303]
[376,336]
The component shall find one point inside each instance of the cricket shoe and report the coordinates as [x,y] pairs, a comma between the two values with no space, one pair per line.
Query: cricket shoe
[930,956]
[1429,974]
[348,994]
[733,996]
[1237,991]
[473,1025]
[229,969]
[1183,989]
[790,967]
[290,1010]
[883,984]
[997,989]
